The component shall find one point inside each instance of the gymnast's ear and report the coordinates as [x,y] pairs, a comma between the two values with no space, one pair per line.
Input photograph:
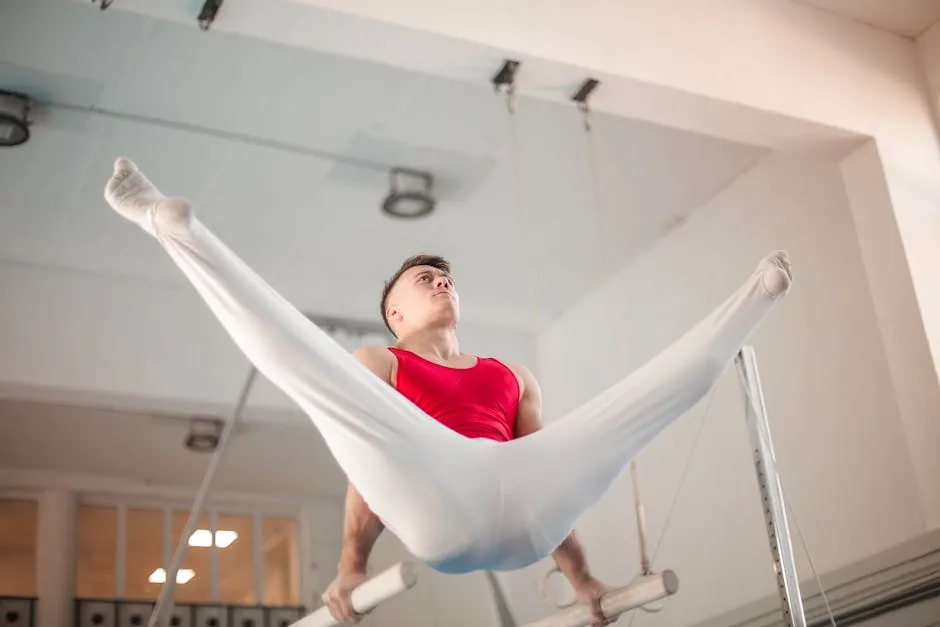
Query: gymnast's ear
[392,313]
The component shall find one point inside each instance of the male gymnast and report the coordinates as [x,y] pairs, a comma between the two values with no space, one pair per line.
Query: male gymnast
[477,397]
[447,449]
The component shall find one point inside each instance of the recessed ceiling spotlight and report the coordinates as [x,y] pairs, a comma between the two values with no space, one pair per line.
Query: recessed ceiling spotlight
[410,195]
[14,118]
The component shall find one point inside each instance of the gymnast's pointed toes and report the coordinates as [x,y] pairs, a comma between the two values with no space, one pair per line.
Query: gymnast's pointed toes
[123,168]
[776,273]
[132,195]
[782,261]
[123,165]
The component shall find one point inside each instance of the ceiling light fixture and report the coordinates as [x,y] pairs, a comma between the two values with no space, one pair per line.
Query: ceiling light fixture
[183,575]
[14,118]
[204,434]
[410,195]
[203,538]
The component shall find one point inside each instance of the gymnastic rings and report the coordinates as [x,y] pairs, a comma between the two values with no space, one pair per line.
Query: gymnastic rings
[544,592]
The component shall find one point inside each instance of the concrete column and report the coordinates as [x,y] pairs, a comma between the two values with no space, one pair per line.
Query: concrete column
[55,559]
[900,319]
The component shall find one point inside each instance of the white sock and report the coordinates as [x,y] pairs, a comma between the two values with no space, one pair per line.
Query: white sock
[776,273]
[133,196]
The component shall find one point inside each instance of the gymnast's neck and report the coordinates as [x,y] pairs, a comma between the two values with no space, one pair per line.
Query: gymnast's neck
[439,342]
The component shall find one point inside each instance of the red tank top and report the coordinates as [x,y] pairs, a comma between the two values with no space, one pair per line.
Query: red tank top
[477,402]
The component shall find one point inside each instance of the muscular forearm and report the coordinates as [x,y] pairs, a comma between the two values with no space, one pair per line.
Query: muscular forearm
[360,531]
[571,560]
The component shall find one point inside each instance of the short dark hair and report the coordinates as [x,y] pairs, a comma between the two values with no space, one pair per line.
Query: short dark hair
[415,260]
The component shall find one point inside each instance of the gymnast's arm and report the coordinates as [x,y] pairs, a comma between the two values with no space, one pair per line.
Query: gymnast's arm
[360,531]
[569,556]
[361,528]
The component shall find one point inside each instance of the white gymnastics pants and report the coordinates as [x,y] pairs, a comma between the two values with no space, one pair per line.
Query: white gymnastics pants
[458,504]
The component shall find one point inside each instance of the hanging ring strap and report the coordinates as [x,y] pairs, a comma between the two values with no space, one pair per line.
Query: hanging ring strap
[164,605]
[504,82]
[543,591]
[645,565]
[607,268]
[645,560]
[607,265]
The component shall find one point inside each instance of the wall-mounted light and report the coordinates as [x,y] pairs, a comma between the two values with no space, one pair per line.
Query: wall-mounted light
[204,434]
[410,195]
[14,118]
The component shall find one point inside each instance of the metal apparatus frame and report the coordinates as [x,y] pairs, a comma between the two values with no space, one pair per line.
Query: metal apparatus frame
[772,498]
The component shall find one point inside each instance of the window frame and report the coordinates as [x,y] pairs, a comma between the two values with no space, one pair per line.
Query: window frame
[29,494]
[256,510]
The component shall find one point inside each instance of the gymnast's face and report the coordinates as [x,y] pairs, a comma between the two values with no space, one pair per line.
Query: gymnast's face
[422,297]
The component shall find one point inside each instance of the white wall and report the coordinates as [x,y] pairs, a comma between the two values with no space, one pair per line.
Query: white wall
[826,381]
[899,319]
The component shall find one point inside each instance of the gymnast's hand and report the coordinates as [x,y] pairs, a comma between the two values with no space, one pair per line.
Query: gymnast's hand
[589,591]
[338,595]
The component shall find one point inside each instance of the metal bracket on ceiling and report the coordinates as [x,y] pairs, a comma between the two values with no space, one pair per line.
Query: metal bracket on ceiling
[580,97]
[207,15]
[505,79]
[585,90]
[102,4]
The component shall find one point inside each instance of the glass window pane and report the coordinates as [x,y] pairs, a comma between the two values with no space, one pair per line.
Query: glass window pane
[193,585]
[144,553]
[18,520]
[236,560]
[97,553]
[281,562]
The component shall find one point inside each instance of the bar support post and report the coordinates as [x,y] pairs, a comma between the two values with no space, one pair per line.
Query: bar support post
[778,529]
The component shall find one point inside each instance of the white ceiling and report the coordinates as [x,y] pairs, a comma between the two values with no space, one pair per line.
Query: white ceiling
[286,152]
[296,216]
[903,17]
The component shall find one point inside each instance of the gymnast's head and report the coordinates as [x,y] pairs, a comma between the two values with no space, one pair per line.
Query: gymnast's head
[420,295]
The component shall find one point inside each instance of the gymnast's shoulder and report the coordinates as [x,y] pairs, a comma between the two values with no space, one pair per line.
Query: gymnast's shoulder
[376,358]
[529,385]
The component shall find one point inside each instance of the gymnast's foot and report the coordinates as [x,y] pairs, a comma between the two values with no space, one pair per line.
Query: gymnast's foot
[133,196]
[775,274]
